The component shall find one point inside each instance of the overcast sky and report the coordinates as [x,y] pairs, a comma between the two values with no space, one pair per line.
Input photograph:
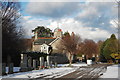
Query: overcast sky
[91,20]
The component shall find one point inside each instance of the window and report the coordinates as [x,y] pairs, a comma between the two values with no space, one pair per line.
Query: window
[44,48]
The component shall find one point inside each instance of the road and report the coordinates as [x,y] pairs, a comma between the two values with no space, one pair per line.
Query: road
[86,73]
[82,73]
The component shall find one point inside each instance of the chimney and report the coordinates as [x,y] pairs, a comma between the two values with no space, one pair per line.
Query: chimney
[36,35]
[73,34]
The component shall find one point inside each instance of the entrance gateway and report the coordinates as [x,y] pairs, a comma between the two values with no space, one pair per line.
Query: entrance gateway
[37,60]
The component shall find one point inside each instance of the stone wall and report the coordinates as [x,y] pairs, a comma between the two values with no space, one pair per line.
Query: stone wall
[57,34]
[59,58]
[55,44]
[36,48]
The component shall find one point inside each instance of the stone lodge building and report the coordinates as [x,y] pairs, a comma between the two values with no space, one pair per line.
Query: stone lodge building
[45,44]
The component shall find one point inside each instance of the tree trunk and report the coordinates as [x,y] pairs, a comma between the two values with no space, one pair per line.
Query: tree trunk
[70,60]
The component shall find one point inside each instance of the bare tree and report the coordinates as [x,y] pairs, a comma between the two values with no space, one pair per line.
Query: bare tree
[69,43]
[89,48]
[12,32]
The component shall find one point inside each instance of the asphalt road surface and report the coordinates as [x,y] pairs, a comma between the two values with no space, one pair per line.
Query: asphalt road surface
[86,73]
[82,73]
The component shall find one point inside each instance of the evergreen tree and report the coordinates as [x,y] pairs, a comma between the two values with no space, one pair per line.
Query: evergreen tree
[66,33]
[109,46]
[43,32]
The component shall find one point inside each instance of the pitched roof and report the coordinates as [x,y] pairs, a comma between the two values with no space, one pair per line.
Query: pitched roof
[42,40]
